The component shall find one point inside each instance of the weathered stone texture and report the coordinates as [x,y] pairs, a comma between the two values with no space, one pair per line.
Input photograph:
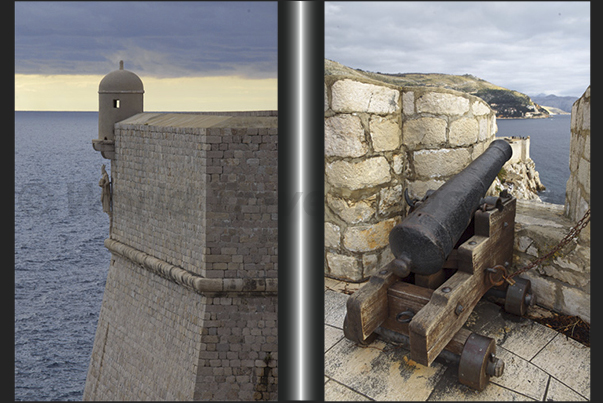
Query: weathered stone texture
[577,194]
[444,162]
[352,212]
[385,133]
[354,96]
[442,103]
[367,238]
[144,349]
[357,175]
[342,266]
[463,132]
[202,198]
[480,108]
[561,283]
[424,132]
[344,136]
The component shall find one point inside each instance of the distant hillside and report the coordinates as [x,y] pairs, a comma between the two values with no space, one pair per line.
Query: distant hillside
[563,103]
[507,103]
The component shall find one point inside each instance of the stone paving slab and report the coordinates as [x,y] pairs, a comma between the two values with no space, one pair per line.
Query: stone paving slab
[540,364]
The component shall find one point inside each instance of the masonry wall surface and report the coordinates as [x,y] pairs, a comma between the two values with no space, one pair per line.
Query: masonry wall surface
[381,139]
[562,282]
[196,196]
[577,194]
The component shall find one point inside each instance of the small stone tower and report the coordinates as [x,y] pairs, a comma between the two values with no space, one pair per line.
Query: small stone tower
[120,95]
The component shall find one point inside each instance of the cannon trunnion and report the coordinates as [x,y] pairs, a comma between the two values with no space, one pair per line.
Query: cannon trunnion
[443,267]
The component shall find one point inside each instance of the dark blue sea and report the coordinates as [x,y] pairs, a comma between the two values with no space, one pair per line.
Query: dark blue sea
[549,148]
[61,264]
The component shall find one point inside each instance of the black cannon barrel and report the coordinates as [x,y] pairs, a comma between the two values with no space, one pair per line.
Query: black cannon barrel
[422,242]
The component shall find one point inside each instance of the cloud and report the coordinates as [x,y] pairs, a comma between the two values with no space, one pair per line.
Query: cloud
[160,39]
[528,46]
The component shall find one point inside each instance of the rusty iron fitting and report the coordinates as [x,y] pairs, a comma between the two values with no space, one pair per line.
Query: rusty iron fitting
[495,366]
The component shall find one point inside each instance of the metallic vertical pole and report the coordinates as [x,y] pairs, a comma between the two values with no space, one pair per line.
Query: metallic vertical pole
[301,195]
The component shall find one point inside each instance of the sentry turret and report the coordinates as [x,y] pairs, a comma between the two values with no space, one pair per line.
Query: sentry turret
[120,95]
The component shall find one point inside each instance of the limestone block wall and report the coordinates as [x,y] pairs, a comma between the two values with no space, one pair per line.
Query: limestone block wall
[562,282]
[381,139]
[190,304]
[577,191]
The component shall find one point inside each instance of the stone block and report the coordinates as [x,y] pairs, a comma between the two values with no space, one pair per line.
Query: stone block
[583,173]
[484,131]
[332,235]
[344,267]
[358,175]
[444,162]
[385,133]
[353,96]
[408,103]
[344,136]
[398,163]
[585,111]
[442,104]
[391,200]
[576,302]
[367,238]
[370,263]
[424,132]
[463,132]
[418,188]
[480,108]
[352,212]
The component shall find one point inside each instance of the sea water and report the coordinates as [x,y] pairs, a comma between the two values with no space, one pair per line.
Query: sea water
[549,148]
[61,264]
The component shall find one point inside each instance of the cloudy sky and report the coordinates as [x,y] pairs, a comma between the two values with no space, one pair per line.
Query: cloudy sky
[190,55]
[531,47]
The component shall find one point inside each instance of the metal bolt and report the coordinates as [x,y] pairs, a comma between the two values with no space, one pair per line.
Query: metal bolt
[529,299]
[472,243]
[495,366]
[446,289]
[383,272]
[459,309]
[505,224]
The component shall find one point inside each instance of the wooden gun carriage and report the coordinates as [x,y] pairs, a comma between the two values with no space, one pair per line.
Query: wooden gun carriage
[453,247]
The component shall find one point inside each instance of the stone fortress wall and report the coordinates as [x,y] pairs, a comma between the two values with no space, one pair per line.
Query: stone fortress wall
[563,281]
[190,305]
[381,139]
[577,194]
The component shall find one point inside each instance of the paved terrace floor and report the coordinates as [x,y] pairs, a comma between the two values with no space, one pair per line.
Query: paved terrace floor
[540,363]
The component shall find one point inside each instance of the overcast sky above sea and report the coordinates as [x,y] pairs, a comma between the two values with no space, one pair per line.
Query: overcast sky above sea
[531,47]
[190,55]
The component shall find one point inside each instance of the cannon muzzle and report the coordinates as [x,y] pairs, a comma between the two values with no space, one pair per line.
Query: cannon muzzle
[422,242]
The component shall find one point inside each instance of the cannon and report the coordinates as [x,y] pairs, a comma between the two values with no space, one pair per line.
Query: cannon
[454,245]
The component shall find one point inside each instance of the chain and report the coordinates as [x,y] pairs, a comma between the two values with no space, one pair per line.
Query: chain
[572,234]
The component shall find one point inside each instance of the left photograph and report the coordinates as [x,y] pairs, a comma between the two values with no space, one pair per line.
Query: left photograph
[146,208]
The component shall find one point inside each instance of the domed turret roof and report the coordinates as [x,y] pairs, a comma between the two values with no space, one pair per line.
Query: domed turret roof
[121,80]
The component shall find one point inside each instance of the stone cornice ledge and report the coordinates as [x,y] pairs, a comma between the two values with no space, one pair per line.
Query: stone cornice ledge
[191,280]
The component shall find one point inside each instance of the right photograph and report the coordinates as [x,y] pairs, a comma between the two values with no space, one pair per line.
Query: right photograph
[457,201]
